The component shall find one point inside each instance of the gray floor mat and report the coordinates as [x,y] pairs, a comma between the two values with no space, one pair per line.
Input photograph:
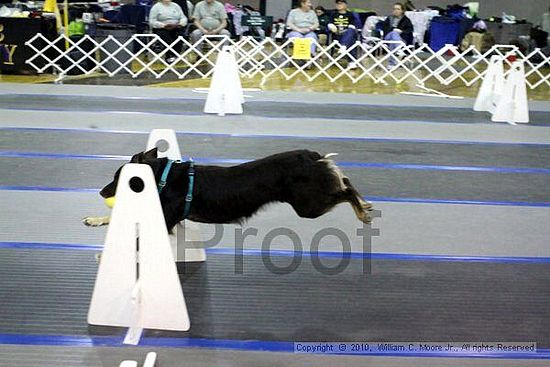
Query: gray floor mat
[48,292]
[441,185]
[219,146]
[265,109]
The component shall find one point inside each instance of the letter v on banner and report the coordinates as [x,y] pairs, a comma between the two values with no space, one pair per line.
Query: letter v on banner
[137,284]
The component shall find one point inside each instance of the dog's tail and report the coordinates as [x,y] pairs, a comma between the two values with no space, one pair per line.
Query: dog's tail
[326,156]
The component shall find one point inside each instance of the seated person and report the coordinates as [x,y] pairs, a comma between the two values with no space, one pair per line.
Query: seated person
[397,27]
[167,20]
[303,23]
[344,24]
[210,19]
[323,18]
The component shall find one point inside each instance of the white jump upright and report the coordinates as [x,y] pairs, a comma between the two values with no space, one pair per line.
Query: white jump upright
[225,95]
[491,87]
[137,284]
[506,100]
[513,106]
[186,231]
[150,361]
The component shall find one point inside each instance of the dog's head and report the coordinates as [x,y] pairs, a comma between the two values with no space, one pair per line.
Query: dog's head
[143,157]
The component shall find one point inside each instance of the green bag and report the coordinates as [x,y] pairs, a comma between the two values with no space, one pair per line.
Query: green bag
[76,28]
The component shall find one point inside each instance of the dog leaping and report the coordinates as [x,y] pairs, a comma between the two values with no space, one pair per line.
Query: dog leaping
[310,182]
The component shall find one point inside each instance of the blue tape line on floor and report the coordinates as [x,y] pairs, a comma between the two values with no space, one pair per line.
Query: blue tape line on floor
[289,253]
[208,160]
[231,344]
[46,188]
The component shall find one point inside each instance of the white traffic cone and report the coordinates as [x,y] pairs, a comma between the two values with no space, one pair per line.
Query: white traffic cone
[225,95]
[186,232]
[491,87]
[513,107]
[137,284]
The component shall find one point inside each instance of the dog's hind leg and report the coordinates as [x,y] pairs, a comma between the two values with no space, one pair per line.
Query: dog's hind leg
[360,207]
[348,192]
[366,205]
[312,207]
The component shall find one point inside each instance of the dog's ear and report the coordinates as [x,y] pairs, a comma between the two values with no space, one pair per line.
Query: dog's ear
[145,156]
[137,158]
[151,154]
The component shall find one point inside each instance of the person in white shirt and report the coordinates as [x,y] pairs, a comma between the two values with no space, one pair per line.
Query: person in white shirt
[210,18]
[167,20]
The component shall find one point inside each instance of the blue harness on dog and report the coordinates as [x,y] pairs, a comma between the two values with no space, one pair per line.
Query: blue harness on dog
[190,175]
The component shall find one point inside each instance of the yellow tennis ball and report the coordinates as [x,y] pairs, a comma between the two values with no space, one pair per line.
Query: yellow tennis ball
[110,202]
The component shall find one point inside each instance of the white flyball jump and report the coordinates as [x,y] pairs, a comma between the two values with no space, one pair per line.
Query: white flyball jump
[506,100]
[225,95]
[187,230]
[491,87]
[512,107]
[137,284]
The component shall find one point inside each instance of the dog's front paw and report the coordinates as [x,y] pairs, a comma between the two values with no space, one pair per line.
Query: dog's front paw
[365,218]
[367,205]
[95,221]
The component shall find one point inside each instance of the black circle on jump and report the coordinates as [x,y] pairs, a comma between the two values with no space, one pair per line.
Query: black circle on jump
[136,184]
[162,145]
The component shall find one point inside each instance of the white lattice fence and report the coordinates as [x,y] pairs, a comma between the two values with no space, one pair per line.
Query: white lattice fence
[146,54]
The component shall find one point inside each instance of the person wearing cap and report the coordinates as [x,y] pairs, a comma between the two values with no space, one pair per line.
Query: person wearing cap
[343,24]
[303,23]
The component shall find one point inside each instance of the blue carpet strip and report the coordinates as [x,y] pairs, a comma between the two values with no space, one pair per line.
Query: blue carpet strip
[208,160]
[290,253]
[235,345]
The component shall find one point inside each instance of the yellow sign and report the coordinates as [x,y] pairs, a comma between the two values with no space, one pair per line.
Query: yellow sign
[302,49]
[7,51]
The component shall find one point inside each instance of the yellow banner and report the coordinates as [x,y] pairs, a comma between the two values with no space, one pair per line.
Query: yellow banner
[302,49]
